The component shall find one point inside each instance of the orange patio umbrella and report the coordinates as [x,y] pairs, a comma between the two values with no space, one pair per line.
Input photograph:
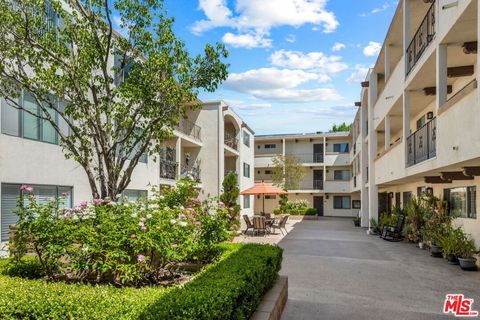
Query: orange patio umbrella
[262,188]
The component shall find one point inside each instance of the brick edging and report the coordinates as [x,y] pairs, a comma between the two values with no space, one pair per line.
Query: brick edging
[273,302]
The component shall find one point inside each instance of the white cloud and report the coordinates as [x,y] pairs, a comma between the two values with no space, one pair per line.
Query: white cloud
[315,62]
[259,17]
[248,106]
[246,40]
[372,49]
[337,46]
[291,38]
[336,112]
[298,95]
[382,8]
[359,73]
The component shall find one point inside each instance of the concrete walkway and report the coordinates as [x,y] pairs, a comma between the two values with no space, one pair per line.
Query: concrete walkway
[336,271]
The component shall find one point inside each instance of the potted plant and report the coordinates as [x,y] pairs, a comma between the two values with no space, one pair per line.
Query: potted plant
[356,221]
[452,244]
[467,253]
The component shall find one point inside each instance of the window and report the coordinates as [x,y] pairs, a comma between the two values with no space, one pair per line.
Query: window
[421,190]
[343,175]
[270,146]
[121,73]
[246,202]
[270,197]
[26,124]
[407,195]
[356,204]
[246,139]
[462,201]
[134,195]
[341,202]
[420,122]
[43,194]
[246,170]
[340,147]
[268,171]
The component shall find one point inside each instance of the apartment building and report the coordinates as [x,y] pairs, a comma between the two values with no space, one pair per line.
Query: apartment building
[327,157]
[207,143]
[418,121]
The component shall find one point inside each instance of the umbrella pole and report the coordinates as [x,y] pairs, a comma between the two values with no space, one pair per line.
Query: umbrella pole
[263,203]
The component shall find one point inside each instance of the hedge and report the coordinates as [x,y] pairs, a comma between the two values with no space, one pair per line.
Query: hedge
[298,212]
[230,288]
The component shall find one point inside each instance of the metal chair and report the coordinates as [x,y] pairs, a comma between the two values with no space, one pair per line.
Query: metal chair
[259,225]
[281,224]
[394,233]
[248,223]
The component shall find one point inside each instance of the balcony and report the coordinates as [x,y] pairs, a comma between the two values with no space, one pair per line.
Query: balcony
[308,157]
[168,169]
[309,185]
[190,129]
[421,145]
[191,172]
[231,140]
[421,39]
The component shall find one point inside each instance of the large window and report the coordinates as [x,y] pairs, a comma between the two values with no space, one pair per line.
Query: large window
[341,202]
[343,175]
[27,124]
[340,147]
[246,202]
[246,170]
[246,138]
[462,201]
[43,194]
[134,195]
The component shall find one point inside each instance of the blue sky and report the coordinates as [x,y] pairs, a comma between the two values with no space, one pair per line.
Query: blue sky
[295,65]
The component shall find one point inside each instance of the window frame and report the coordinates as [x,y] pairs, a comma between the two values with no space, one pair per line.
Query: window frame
[342,171]
[343,202]
[356,204]
[247,202]
[246,170]
[470,206]
[246,138]
[340,147]
[270,146]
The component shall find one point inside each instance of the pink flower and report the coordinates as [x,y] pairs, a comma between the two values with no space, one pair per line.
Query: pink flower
[198,223]
[220,203]
[143,228]
[98,202]
[140,258]
[83,204]
[26,188]
[133,236]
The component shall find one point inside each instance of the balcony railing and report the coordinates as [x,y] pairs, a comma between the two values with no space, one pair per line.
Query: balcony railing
[309,157]
[317,184]
[190,129]
[231,140]
[421,145]
[168,169]
[421,39]
[192,172]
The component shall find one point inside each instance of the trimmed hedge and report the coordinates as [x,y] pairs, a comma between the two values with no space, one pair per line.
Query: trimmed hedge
[298,212]
[230,288]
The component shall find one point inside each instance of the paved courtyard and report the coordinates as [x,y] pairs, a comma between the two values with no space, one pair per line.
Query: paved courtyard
[336,271]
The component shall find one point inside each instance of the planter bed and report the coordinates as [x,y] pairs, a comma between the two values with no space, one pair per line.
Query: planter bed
[230,288]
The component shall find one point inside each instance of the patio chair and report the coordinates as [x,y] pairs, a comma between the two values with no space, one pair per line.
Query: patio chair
[259,225]
[394,233]
[248,223]
[281,224]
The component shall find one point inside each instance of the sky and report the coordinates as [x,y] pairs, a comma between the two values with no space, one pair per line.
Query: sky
[295,65]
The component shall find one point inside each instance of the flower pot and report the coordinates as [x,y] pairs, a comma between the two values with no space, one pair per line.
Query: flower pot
[421,245]
[452,259]
[436,251]
[468,264]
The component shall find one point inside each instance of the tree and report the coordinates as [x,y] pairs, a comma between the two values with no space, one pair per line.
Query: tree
[229,197]
[119,96]
[341,127]
[287,172]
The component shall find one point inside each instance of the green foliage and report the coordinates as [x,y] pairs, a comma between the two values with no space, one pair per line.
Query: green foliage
[416,212]
[452,242]
[27,267]
[120,96]
[341,127]
[375,225]
[125,243]
[287,172]
[297,204]
[230,288]
[229,198]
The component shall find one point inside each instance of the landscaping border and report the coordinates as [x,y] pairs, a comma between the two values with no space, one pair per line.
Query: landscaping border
[273,302]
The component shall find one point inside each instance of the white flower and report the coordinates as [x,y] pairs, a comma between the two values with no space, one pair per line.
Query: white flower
[133,215]
[112,203]
[183,223]
[182,208]
[141,224]
[173,221]
[85,249]
[149,216]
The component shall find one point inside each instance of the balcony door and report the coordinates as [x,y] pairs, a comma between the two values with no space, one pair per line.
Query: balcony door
[318,179]
[318,204]
[318,152]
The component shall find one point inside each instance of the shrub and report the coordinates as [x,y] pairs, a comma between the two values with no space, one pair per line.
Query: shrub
[230,288]
[296,204]
[126,243]
[229,198]
[311,212]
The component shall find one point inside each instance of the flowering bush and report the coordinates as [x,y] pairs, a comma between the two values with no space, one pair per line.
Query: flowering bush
[296,204]
[125,243]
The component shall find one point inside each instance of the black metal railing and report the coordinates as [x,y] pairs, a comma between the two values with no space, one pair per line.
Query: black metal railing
[355,182]
[421,39]
[421,145]
[231,140]
[168,169]
[309,157]
[317,184]
[190,129]
[191,172]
